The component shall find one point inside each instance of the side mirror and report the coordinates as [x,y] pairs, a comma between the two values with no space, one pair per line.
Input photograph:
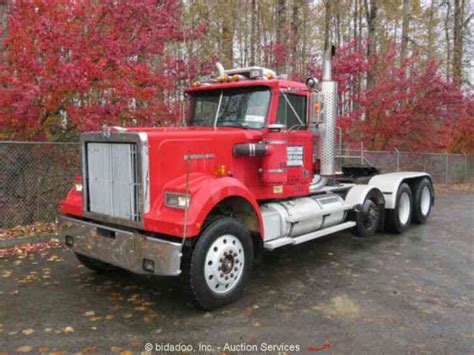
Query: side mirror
[315,103]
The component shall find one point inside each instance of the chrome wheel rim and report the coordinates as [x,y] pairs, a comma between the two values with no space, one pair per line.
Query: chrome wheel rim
[404,208]
[425,200]
[224,264]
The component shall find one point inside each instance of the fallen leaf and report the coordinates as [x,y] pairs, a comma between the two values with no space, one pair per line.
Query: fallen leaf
[115,349]
[68,330]
[89,349]
[24,349]
[43,349]
[28,331]
[89,314]
[109,317]
[48,330]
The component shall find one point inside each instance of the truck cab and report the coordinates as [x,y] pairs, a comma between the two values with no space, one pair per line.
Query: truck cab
[252,170]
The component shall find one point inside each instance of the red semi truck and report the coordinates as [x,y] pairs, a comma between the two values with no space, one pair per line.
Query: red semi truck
[252,170]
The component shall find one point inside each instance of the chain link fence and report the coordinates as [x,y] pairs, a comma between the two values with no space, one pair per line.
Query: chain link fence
[443,167]
[34,177]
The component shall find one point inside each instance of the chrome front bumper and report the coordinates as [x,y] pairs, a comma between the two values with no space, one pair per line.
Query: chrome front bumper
[125,249]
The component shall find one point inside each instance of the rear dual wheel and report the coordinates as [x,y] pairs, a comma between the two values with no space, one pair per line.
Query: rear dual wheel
[410,206]
[368,219]
[423,197]
[398,219]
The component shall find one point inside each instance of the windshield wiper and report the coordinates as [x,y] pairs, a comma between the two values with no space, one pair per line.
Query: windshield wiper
[234,124]
[218,108]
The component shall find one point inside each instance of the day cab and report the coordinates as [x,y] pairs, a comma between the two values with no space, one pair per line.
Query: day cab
[253,169]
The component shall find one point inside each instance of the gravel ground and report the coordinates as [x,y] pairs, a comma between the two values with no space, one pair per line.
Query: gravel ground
[385,294]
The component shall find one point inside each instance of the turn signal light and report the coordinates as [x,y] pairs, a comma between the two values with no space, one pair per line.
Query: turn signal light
[269,76]
[235,77]
[196,84]
[221,170]
[316,107]
[223,79]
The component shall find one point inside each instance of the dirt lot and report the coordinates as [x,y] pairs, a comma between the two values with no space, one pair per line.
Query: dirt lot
[392,294]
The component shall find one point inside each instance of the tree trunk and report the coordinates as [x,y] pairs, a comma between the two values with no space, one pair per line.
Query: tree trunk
[327,23]
[253,31]
[405,29]
[431,30]
[448,39]
[295,35]
[280,31]
[371,15]
[227,34]
[458,39]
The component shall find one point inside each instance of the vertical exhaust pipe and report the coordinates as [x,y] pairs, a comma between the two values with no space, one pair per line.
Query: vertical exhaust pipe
[220,69]
[327,126]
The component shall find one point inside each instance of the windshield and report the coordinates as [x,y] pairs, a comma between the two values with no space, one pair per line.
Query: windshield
[242,107]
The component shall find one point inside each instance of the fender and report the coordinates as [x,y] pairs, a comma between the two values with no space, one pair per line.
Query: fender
[357,194]
[206,192]
[389,183]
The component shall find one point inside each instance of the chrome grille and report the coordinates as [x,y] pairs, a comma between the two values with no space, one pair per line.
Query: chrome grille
[112,179]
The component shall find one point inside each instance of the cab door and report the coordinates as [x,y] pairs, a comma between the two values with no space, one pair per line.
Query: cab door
[292,112]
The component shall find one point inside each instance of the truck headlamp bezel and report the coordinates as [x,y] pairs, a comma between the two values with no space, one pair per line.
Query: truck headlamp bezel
[177,200]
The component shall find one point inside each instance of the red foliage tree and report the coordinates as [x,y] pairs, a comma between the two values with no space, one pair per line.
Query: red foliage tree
[410,106]
[75,65]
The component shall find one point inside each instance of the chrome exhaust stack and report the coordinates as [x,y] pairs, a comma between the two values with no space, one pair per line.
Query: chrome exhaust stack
[327,126]
[220,69]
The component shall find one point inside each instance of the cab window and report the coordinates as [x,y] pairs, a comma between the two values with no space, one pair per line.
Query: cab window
[237,107]
[292,111]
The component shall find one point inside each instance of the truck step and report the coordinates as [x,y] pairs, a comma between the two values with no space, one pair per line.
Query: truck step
[280,242]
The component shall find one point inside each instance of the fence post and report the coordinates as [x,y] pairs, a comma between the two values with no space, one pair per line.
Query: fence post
[398,159]
[465,166]
[361,153]
[446,168]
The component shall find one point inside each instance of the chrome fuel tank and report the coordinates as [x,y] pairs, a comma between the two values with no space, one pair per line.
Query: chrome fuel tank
[299,216]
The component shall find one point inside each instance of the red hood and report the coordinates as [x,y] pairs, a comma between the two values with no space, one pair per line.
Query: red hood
[198,132]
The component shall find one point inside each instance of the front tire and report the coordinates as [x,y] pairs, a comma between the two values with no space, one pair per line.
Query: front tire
[399,219]
[220,263]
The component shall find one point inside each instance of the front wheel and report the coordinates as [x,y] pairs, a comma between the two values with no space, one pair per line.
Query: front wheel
[220,263]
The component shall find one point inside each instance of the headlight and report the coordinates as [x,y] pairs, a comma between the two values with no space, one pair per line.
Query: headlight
[78,186]
[177,200]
